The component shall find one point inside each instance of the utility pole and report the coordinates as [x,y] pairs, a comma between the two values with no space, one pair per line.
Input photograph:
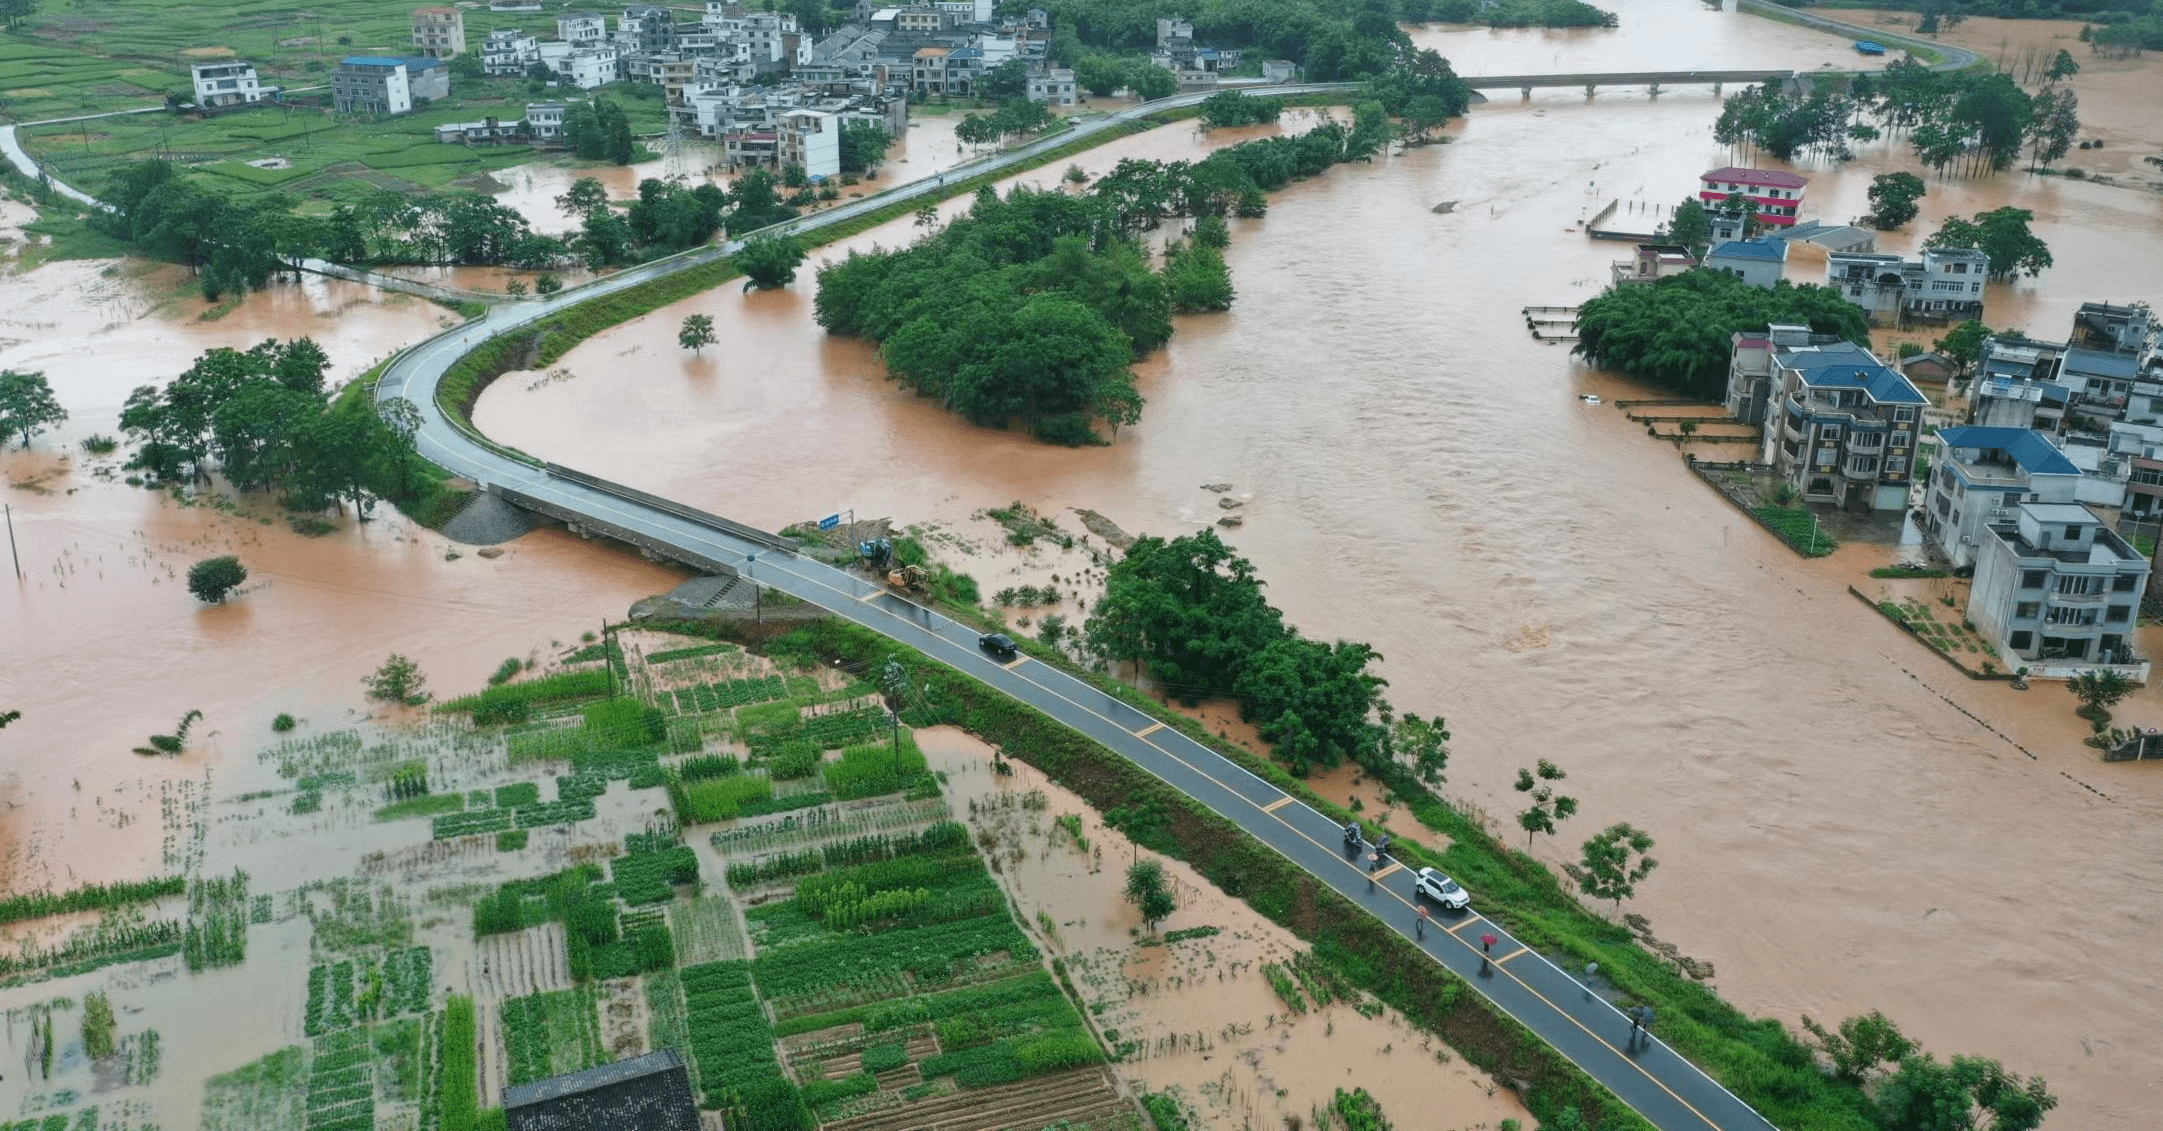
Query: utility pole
[11,544]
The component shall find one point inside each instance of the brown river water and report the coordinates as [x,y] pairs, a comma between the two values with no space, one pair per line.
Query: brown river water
[1416,472]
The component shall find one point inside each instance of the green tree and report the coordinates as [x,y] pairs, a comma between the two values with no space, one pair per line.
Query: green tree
[1677,332]
[1021,116]
[1188,609]
[1313,702]
[1211,231]
[7,717]
[1424,115]
[1198,280]
[1100,75]
[2099,689]
[212,579]
[769,262]
[1422,742]
[1615,861]
[1964,344]
[399,680]
[1007,80]
[1151,82]
[976,129]
[17,12]
[1862,1047]
[864,146]
[1690,225]
[697,332]
[1147,890]
[27,405]
[2003,235]
[2063,67]
[467,68]
[2055,126]
[1416,75]
[1547,808]
[1970,1093]
[547,285]
[584,195]
[1892,199]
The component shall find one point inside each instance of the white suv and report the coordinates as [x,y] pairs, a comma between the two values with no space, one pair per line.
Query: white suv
[1443,890]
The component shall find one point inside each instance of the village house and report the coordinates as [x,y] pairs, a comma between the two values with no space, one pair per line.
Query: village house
[1982,475]
[582,29]
[1931,366]
[1777,194]
[1053,86]
[1653,261]
[381,84]
[1945,284]
[439,33]
[582,67]
[811,139]
[1840,425]
[227,83]
[509,52]
[1749,366]
[488,131]
[1279,70]
[1761,262]
[2058,589]
[514,5]
[544,120]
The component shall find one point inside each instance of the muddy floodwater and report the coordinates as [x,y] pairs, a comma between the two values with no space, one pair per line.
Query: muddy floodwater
[1838,832]
[1416,472]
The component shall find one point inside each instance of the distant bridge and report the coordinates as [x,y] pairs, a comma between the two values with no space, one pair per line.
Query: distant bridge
[1652,79]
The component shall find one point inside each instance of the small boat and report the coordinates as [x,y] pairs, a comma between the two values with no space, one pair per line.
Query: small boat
[1590,398]
[1869,47]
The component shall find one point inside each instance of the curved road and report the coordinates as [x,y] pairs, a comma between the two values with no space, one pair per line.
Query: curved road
[1667,1090]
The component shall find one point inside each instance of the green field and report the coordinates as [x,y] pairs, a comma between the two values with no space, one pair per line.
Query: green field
[128,54]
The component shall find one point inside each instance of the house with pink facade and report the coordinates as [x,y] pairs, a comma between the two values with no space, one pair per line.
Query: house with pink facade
[1777,195]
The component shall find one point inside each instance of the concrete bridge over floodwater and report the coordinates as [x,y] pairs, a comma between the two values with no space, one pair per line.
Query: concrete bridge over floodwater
[1651,79]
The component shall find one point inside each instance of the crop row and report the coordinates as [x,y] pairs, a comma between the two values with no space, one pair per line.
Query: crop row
[732,693]
[670,654]
[409,977]
[88,897]
[1005,1062]
[341,1083]
[459,1081]
[547,1034]
[861,823]
[927,955]
[646,877]
[734,1047]
[330,998]
[890,1015]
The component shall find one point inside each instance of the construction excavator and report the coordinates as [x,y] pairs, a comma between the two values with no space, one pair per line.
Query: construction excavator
[877,556]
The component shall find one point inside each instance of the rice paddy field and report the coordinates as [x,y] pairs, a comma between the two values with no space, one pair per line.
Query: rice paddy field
[653,842]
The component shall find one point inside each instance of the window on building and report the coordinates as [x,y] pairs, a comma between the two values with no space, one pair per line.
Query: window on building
[2034,578]
[1896,465]
[2119,614]
[2124,583]
[2075,586]
[2021,641]
[2072,532]
[2027,610]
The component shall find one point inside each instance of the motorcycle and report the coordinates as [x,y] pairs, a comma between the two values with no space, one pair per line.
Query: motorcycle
[1351,836]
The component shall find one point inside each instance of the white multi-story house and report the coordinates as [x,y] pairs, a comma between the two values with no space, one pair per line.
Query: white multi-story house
[582,29]
[1749,362]
[812,139]
[509,52]
[544,120]
[583,67]
[1944,285]
[1982,475]
[228,83]
[1841,426]
[439,33]
[2057,589]
[1053,86]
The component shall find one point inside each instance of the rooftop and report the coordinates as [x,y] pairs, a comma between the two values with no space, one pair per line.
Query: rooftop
[2024,387]
[371,61]
[1845,365]
[1770,178]
[1762,248]
[2097,363]
[1955,253]
[2030,450]
[556,1087]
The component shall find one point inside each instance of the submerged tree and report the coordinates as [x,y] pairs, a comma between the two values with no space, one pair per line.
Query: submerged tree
[1892,199]
[399,680]
[213,578]
[769,262]
[1146,890]
[2003,235]
[697,332]
[27,405]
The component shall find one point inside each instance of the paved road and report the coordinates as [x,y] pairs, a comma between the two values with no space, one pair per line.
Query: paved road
[1670,1092]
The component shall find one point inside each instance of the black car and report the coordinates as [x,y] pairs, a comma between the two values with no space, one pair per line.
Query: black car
[998,644]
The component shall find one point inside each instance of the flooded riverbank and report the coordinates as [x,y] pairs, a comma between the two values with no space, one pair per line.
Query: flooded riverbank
[1418,473]
[1197,1017]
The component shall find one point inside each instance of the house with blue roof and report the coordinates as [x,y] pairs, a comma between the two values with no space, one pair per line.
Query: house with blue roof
[387,84]
[1982,475]
[1841,426]
[1761,262]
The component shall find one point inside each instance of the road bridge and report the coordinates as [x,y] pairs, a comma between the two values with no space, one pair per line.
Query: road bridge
[1592,81]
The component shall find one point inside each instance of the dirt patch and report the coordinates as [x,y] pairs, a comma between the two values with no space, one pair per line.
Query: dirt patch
[1104,528]
[209,52]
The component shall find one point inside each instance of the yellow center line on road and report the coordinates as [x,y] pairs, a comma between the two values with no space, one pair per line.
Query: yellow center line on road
[1153,728]
[1018,661]
[1269,808]
[1468,922]
[1520,952]
[1394,866]
[1656,1082]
